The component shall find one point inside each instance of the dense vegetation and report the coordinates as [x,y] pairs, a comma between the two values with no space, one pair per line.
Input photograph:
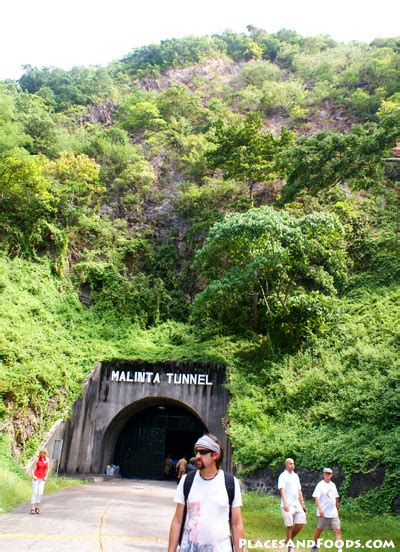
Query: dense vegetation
[215,198]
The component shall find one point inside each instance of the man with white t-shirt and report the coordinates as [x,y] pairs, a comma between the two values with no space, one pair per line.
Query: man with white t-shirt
[292,502]
[327,500]
[211,523]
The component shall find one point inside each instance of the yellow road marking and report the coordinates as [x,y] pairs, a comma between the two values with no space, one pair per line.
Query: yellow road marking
[114,538]
[101,546]
[46,536]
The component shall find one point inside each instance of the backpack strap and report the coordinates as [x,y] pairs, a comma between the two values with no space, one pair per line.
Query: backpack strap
[230,489]
[187,485]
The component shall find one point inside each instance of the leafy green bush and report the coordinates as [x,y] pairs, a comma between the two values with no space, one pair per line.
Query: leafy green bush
[286,96]
[79,86]
[12,136]
[330,158]
[257,73]
[136,297]
[271,272]
[150,60]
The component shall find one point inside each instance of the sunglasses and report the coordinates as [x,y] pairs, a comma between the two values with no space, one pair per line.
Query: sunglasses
[202,452]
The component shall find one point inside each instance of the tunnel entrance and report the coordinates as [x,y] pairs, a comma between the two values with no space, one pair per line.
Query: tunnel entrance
[148,437]
[134,413]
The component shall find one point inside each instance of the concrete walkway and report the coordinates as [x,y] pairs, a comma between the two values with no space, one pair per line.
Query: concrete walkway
[111,516]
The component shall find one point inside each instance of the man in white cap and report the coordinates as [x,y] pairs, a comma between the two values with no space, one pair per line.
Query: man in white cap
[292,502]
[209,517]
[327,500]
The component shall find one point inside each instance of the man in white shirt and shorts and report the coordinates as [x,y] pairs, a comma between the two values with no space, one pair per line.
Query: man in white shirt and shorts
[211,523]
[292,502]
[327,501]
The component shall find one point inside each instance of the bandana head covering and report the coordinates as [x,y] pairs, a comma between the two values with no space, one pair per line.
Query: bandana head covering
[207,443]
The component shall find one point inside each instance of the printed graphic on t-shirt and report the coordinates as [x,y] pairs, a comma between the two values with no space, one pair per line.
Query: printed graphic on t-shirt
[327,494]
[195,547]
[194,520]
[190,538]
[331,496]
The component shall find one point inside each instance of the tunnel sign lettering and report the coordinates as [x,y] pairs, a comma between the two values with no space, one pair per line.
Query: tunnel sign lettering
[154,377]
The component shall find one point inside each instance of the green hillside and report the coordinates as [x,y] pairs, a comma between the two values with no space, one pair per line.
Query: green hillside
[218,198]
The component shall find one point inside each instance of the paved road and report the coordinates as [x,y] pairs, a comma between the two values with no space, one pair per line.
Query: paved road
[110,516]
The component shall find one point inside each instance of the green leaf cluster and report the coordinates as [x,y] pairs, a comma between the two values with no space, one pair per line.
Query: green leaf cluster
[271,272]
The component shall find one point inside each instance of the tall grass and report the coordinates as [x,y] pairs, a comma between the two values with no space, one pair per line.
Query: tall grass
[263,521]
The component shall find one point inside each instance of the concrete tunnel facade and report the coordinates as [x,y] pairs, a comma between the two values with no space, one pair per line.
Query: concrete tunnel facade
[134,413]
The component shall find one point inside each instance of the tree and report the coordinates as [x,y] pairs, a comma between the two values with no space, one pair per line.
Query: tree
[151,60]
[40,197]
[258,73]
[123,167]
[80,85]
[238,46]
[76,183]
[382,69]
[287,96]
[389,118]
[245,153]
[38,123]
[330,158]
[271,271]
[26,193]
[178,102]
[12,136]
[393,43]
[138,116]
[27,201]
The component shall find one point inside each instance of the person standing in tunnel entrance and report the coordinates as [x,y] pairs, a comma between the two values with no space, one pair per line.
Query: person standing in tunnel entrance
[191,465]
[181,467]
[208,505]
[167,467]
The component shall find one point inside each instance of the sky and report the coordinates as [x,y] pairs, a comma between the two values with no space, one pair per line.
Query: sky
[64,33]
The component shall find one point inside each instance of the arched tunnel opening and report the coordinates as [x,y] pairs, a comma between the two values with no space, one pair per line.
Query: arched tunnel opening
[152,434]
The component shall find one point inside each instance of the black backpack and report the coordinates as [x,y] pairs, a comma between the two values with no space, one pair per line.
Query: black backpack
[230,489]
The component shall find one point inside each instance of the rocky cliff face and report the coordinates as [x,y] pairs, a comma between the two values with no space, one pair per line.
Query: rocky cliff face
[102,114]
[209,70]
[158,210]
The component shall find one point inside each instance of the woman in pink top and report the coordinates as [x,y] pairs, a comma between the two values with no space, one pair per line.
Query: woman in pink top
[40,471]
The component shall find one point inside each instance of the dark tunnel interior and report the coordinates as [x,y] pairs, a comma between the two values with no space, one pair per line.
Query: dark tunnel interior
[149,436]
